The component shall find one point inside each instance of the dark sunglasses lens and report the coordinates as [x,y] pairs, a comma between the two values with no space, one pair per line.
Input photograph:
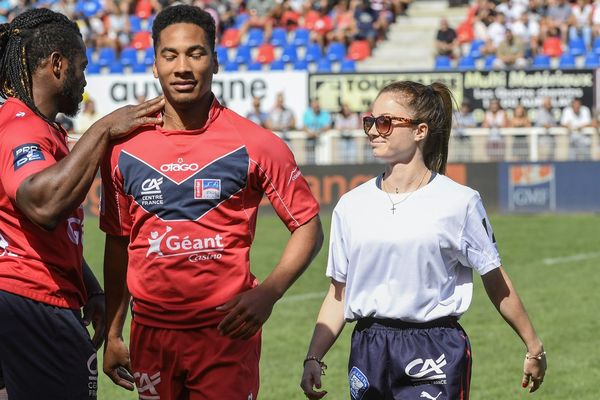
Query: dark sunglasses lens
[368,123]
[383,124]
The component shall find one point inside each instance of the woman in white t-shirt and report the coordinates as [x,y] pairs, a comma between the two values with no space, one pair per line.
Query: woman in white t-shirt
[402,250]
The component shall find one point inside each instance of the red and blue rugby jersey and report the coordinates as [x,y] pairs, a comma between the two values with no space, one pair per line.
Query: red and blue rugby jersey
[188,200]
[34,263]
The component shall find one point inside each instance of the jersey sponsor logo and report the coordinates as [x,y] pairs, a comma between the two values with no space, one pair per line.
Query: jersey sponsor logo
[295,174]
[4,248]
[359,384]
[426,395]
[429,370]
[74,230]
[147,384]
[196,249]
[179,166]
[207,189]
[20,114]
[27,153]
[151,193]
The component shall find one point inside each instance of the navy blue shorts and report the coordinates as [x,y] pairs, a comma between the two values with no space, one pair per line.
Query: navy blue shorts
[45,351]
[394,360]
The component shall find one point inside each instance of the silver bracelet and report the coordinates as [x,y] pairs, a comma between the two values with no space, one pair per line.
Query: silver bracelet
[535,357]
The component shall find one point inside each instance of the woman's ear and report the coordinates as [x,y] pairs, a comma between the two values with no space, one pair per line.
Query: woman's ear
[421,132]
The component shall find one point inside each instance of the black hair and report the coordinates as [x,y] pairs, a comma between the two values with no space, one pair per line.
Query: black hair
[182,13]
[25,43]
[433,105]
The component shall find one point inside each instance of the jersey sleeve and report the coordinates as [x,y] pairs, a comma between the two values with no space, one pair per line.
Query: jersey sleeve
[337,260]
[115,218]
[283,184]
[477,242]
[27,148]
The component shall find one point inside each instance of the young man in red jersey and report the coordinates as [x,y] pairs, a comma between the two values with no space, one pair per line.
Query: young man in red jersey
[45,350]
[179,208]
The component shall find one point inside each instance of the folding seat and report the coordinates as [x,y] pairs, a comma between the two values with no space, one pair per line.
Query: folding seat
[466,63]
[141,40]
[301,37]
[359,50]
[106,56]
[442,63]
[289,54]
[336,52]
[541,61]
[135,23]
[266,53]
[566,61]
[324,65]
[230,38]
[255,38]
[277,65]
[348,66]
[128,56]
[313,53]
[279,37]
[243,55]
[116,68]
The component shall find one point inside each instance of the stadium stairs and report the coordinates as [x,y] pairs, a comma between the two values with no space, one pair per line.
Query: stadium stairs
[410,44]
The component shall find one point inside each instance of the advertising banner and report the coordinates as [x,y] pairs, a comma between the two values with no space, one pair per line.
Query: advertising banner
[531,187]
[235,89]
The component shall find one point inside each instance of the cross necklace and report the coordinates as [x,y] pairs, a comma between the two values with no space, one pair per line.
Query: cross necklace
[394,204]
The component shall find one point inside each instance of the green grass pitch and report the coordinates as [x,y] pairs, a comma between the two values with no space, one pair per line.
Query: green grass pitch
[553,261]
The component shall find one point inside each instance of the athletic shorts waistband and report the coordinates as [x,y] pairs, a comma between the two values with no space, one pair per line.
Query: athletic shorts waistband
[449,322]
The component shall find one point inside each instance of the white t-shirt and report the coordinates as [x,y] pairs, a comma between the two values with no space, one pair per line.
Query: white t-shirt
[416,264]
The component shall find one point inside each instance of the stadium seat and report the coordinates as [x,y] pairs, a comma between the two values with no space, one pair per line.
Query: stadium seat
[222,55]
[277,65]
[93,69]
[116,68]
[348,66]
[230,38]
[135,23]
[301,37]
[149,22]
[141,40]
[106,56]
[359,50]
[139,68]
[566,61]
[577,47]
[541,61]
[596,45]
[324,65]
[240,20]
[254,66]
[289,54]
[442,62]
[255,38]
[88,8]
[279,37]
[128,56]
[336,51]
[313,53]
[301,65]
[143,9]
[489,62]
[475,49]
[232,66]
[148,56]
[243,55]
[466,63]
[266,53]
[592,60]
[89,53]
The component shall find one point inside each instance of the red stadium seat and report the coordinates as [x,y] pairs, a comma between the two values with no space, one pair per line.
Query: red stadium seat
[359,50]
[231,38]
[266,53]
[552,47]
[143,9]
[141,40]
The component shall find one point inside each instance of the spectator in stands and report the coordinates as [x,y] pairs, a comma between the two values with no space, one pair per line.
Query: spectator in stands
[497,28]
[495,119]
[462,120]
[343,23]
[256,115]
[510,53]
[446,41]
[528,30]
[575,118]
[558,16]
[520,142]
[316,122]
[259,12]
[368,25]
[580,21]
[346,122]
[545,118]
[281,119]
[88,116]
[322,24]
[512,10]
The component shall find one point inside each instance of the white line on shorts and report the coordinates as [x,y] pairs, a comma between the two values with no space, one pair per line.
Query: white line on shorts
[571,258]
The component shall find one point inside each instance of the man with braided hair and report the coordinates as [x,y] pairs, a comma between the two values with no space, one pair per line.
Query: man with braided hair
[45,350]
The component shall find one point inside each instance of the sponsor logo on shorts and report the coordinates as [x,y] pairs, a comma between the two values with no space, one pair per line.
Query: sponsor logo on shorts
[359,384]
[146,385]
[426,395]
[429,370]
[151,193]
[194,248]
[27,153]
[92,366]
[207,189]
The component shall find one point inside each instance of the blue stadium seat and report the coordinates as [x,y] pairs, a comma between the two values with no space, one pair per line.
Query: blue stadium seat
[336,51]
[301,37]
[324,65]
[89,53]
[222,55]
[93,69]
[129,56]
[88,8]
[348,66]
[489,61]
[254,66]
[149,22]
[301,65]
[541,61]
[139,68]
[442,62]
[135,23]
[106,56]
[148,56]
[116,68]
[566,61]
[466,63]
[577,47]
[279,37]
[256,37]
[592,60]
[277,65]
[475,50]
[242,56]
[289,54]
[313,53]
[232,66]
[240,20]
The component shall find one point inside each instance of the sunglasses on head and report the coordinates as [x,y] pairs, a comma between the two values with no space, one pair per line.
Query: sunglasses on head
[383,124]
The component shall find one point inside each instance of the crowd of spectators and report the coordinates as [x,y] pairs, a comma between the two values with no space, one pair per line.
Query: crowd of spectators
[521,33]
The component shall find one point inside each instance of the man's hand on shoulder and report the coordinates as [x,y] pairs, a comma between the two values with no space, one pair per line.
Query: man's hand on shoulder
[125,120]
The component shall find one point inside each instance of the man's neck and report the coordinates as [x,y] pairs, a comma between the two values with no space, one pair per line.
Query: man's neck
[178,118]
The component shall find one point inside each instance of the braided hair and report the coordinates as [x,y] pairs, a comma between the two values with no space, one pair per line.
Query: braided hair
[25,43]
[432,104]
